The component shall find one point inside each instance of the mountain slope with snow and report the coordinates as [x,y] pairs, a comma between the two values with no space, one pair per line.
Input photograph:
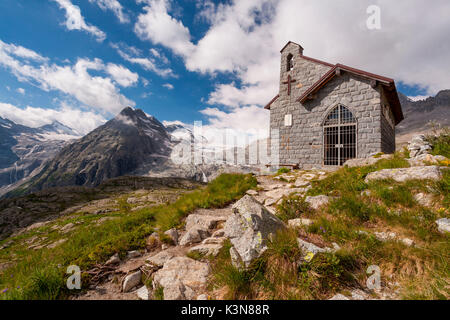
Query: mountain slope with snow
[23,149]
[117,148]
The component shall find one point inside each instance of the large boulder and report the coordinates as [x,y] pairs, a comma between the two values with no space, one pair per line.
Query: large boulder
[249,228]
[426,159]
[131,281]
[405,174]
[182,278]
[362,162]
[203,221]
[194,235]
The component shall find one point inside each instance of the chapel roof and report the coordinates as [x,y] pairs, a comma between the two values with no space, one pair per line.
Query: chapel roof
[336,69]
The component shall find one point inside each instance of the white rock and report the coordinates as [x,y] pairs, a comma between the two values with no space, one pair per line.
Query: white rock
[249,228]
[113,260]
[172,234]
[207,249]
[214,240]
[252,192]
[310,247]
[318,201]
[202,297]
[194,235]
[405,174]
[181,277]
[443,225]
[300,182]
[160,258]
[423,199]
[203,221]
[133,254]
[385,236]
[297,223]
[362,162]
[131,281]
[339,297]
[142,293]
[408,242]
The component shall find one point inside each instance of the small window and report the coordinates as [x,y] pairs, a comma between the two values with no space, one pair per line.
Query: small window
[288,120]
[290,62]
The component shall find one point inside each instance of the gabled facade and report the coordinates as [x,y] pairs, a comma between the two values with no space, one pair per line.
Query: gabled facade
[327,114]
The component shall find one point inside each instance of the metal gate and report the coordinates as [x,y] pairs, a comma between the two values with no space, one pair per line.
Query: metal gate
[339,136]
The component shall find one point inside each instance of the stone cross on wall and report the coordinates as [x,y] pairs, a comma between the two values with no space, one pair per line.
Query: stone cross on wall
[288,82]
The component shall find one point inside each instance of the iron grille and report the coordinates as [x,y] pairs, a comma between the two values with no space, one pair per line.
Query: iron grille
[339,134]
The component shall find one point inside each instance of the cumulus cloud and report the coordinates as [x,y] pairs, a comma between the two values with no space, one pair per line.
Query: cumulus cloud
[134,55]
[244,119]
[81,121]
[158,26]
[21,90]
[122,75]
[94,91]
[168,86]
[114,6]
[245,36]
[75,21]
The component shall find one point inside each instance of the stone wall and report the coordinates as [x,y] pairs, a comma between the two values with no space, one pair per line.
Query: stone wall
[302,143]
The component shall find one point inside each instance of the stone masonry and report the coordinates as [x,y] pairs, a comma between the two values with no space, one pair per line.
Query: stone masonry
[302,143]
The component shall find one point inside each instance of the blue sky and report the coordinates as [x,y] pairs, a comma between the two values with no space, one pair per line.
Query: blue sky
[81,61]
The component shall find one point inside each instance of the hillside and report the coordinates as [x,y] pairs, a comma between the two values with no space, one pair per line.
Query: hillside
[419,115]
[117,148]
[293,235]
[23,150]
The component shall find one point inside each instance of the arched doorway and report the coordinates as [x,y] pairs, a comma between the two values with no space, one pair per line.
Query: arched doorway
[339,136]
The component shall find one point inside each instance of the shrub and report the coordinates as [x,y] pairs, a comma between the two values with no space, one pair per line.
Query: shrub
[283,170]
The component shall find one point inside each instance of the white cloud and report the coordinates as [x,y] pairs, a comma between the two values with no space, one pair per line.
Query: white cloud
[122,75]
[133,55]
[159,27]
[75,21]
[168,86]
[82,121]
[21,90]
[245,37]
[94,91]
[114,6]
[243,119]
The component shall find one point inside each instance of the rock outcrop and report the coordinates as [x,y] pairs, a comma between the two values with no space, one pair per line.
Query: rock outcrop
[182,278]
[405,174]
[249,228]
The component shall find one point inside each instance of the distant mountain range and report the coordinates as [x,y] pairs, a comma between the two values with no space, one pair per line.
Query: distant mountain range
[419,114]
[23,149]
[134,143]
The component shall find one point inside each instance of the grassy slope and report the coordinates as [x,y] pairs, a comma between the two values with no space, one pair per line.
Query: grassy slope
[422,271]
[41,274]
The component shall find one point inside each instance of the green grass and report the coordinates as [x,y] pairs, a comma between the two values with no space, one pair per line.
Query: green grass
[293,207]
[283,170]
[91,244]
[422,271]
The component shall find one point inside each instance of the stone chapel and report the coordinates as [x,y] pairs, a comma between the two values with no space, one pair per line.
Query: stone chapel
[328,113]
